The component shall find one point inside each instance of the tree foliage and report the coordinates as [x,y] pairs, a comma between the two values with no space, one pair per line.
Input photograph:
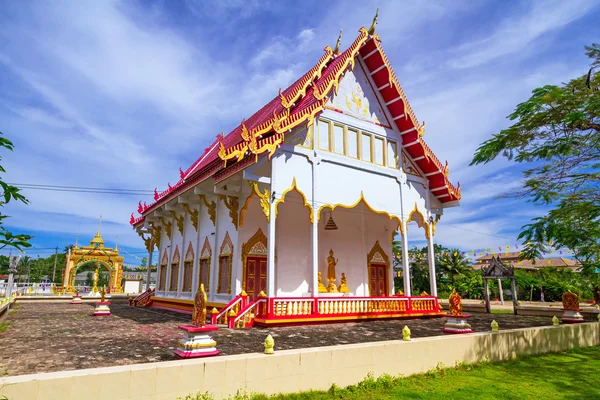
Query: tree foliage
[10,193]
[556,132]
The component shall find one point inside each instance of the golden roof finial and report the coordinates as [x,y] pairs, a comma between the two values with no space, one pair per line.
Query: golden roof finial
[99,225]
[374,24]
[337,45]
[117,244]
[76,240]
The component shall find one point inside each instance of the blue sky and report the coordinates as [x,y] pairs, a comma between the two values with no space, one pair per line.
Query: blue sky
[121,94]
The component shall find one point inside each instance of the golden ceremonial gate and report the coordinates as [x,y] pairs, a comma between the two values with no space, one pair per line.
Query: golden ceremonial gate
[99,255]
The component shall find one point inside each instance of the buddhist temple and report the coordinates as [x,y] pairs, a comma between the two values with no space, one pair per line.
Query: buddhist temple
[312,186]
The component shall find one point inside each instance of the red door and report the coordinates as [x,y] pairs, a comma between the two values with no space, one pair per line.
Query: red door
[378,280]
[256,276]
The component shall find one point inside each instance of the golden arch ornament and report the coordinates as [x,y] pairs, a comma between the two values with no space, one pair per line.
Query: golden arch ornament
[98,254]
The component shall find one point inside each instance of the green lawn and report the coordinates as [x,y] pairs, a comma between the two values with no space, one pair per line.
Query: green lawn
[568,375]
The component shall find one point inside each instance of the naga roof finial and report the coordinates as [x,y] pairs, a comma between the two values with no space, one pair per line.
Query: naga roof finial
[374,24]
[337,45]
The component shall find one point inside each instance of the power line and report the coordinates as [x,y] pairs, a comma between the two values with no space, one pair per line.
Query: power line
[143,191]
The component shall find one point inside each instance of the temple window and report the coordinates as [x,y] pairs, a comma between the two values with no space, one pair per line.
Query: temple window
[174,277]
[365,147]
[338,139]
[224,279]
[205,273]
[163,277]
[352,143]
[378,149]
[188,267]
[324,140]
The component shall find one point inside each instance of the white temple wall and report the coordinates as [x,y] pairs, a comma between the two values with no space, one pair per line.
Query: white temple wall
[190,237]
[206,229]
[176,242]
[293,269]
[251,221]
[225,226]
[290,167]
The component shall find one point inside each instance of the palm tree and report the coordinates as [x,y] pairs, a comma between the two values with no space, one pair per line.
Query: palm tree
[453,264]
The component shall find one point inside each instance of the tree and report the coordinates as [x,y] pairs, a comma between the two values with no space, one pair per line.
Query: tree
[9,193]
[68,247]
[453,264]
[557,133]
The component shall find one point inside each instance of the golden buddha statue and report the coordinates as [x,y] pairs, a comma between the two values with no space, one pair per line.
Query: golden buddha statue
[322,288]
[343,286]
[331,263]
[102,294]
[199,312]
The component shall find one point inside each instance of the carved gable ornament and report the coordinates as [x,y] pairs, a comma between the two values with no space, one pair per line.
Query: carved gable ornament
[206,250]
[165,258]
[355,97]
[497,269]
[176,256]
[377,258]
[227,246]
[189,254]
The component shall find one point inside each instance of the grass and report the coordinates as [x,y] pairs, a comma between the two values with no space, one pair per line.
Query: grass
[4,327]
[566,375]
[502,311]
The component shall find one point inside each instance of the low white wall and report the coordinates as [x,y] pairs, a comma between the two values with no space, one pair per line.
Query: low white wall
[294,370]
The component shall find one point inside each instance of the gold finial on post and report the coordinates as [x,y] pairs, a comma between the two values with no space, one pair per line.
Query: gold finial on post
[555,321]
[374,24]
[336,50]
[406,333]
[494,326]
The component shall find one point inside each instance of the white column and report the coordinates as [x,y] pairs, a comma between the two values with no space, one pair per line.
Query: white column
[182,259]
[149,273]
[405,263]
[271,251]
[216,249]
[315,231]
[431,259]
[391,272]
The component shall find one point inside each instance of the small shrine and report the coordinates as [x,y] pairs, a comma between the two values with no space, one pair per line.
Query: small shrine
[456,321]
[76,297]
[102,308]
[196,341]
[571,314]
[499,271]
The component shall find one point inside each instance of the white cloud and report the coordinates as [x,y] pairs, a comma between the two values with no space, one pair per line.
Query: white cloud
[515,33]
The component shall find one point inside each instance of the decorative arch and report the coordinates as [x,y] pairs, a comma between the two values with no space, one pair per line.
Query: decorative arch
[164,265]
[165,258]
[364,200]
[305,202]
[225,265]
[204,265]
[378,275]
[174,279]
[421,221]
[189,254]
[245,207]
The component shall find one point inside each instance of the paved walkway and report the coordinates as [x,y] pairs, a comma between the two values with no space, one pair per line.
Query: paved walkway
[44,337]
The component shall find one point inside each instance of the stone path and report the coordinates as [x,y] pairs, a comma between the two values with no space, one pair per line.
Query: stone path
[45,337]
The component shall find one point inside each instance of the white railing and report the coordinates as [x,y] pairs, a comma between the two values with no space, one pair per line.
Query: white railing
[28,289]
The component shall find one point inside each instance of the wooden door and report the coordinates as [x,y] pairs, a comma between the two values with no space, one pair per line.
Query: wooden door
[256,276]
[378,280]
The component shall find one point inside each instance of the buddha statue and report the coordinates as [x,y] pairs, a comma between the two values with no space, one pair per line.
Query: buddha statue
[322,288]
[199,312]
[343,286]
[331,263]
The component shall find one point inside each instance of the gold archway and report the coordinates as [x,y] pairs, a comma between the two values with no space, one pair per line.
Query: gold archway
[96,253]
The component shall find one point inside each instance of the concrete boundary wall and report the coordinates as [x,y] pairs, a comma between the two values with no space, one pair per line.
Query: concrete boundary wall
[294,370]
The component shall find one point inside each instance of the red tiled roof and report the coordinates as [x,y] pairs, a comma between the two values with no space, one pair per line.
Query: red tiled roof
[300,102]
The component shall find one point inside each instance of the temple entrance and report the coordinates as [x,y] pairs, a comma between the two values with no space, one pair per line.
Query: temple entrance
[256,276]
[378,264]
[378,280]
[254,255]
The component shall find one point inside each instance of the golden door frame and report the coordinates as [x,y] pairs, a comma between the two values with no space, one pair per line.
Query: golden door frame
[205,255]
[384,259]
[248,249]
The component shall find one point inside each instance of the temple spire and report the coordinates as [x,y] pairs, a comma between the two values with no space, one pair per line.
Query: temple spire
[99,225]
[117,244]
[337,45]
[374,24]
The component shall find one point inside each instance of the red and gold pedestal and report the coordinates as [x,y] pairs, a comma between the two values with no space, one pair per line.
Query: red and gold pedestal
[571,316]
[102,309]
[76,300]
[196,342]
[457,324]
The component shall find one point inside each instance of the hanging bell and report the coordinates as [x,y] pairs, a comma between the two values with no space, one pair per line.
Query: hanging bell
[330,226]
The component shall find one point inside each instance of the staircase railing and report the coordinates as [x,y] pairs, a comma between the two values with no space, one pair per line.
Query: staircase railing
[245,317]
[230,310]
[144,298]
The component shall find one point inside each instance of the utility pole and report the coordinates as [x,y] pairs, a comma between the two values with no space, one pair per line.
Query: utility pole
[54,270]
